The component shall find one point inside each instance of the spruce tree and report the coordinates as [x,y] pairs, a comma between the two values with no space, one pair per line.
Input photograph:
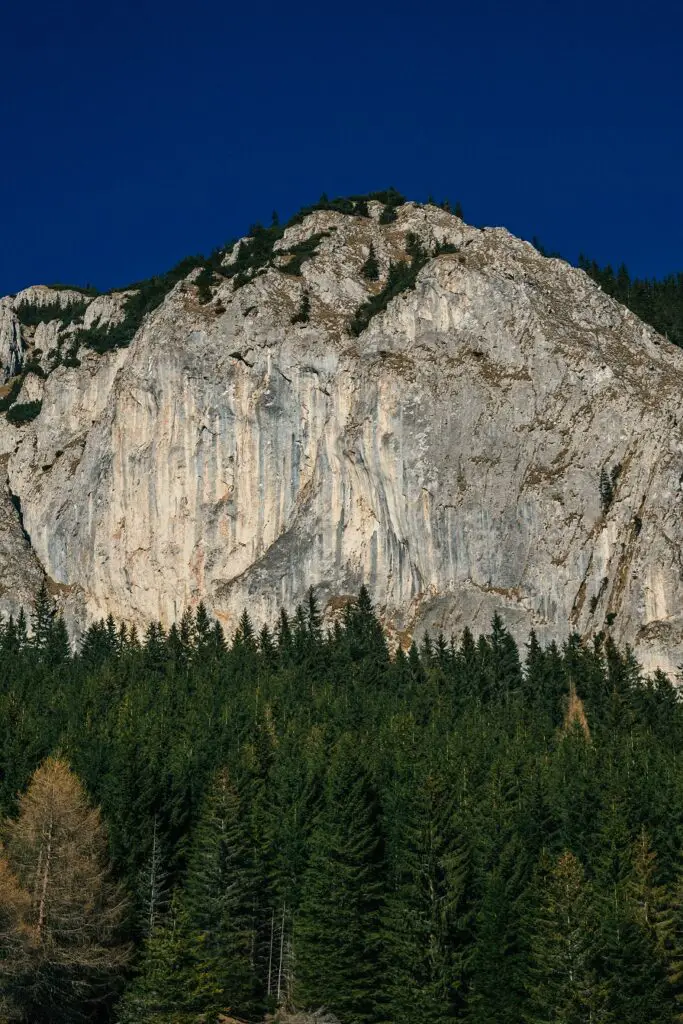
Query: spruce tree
[426,926]
[337,933]
[498,961]
[219,900]
[563,985]
[164,984]
[631,964]
[370,269]
[42,619]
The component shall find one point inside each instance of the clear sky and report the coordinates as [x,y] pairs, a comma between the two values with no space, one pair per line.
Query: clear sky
[134,134]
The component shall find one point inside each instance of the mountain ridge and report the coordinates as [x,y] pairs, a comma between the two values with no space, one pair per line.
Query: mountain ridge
[246,444]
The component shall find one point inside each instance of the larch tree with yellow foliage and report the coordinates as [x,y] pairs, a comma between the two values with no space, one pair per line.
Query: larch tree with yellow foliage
[60,912]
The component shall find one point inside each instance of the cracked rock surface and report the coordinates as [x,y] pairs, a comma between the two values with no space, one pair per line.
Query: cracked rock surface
[449,457]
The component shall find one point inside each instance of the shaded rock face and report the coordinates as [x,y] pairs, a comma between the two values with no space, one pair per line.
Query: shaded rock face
[449,457]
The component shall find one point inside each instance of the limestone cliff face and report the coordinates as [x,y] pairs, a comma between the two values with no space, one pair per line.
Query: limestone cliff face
[449,457]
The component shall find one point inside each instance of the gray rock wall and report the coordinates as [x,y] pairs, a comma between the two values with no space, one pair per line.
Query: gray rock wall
[449,457]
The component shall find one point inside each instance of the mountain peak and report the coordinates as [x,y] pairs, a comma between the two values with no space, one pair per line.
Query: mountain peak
[374,394]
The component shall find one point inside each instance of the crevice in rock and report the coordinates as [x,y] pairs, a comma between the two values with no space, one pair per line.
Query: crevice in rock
[16,501]
[238,355]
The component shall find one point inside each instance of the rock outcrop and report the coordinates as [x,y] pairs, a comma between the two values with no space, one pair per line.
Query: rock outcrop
[450,456]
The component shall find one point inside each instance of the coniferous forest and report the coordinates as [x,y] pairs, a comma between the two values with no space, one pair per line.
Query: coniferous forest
[198,828]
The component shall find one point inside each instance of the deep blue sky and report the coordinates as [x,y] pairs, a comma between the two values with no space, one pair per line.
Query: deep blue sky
[134,134]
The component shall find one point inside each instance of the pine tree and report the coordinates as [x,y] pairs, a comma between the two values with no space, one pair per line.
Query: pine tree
[58,647]
[505,666]
[667,917]
[202,630]
[497,965]
[152,887]
[631,965]
[365,638]
[284,636]
[244,634]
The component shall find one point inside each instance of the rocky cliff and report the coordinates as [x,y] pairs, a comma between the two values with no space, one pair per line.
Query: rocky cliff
[502,436]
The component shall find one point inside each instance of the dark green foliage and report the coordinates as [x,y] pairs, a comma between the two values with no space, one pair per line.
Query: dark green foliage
[562,977]
[254,254]
[147,296]
[301,252]
[220,900]
[608,484]
[8,400]
[338,930]
[402,277]
[450,208]
[203,281]
[391,199]
[24,412]
[71,359]
[303,313]
[659,303]
[352,206]
[86,289]
[370,269]
[549,254]
[428,926]
[160,992]
[301,816]
[445,248]
[34,367]
[30,314]
[388,215]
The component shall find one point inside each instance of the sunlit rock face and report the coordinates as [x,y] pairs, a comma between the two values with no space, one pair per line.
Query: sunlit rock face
[449,457]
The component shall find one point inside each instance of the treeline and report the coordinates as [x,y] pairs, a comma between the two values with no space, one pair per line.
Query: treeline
[658,303]
[303,817]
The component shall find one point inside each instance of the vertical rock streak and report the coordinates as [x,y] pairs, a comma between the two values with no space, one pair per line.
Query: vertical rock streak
[450,456]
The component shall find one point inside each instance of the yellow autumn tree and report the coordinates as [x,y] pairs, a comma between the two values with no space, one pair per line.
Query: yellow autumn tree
[58,904]
[15,937]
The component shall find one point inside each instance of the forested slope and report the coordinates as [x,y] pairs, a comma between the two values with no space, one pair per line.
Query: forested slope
[463,832]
